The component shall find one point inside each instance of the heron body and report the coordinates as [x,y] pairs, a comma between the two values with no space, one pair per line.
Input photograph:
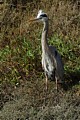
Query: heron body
[51,59]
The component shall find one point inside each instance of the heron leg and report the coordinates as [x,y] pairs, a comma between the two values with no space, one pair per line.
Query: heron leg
[46,82]
[56,84]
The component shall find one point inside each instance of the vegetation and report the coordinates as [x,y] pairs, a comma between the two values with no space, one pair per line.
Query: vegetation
[22,81]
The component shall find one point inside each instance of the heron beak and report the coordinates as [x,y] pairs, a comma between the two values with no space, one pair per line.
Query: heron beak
[33,20]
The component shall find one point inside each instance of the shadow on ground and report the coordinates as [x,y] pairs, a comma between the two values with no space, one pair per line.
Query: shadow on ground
[71,79]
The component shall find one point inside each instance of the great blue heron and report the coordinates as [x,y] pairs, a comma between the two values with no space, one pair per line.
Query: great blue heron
[51,59]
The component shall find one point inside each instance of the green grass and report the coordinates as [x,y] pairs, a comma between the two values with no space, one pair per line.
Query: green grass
[21,53]
[69,51]
[28,56]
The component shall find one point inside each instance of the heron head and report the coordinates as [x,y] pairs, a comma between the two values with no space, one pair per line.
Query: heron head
[41,16]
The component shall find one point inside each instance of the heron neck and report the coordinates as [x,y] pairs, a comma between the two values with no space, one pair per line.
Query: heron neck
[44,41]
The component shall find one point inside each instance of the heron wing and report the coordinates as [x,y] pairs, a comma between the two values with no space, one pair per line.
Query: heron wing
[58,62]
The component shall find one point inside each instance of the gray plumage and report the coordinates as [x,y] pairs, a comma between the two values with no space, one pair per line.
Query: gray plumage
[51,59]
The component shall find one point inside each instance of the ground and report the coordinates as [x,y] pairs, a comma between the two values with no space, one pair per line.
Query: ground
[31,101]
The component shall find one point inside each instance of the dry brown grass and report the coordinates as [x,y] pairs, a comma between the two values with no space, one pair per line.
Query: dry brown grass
[65,19]
[31,101]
